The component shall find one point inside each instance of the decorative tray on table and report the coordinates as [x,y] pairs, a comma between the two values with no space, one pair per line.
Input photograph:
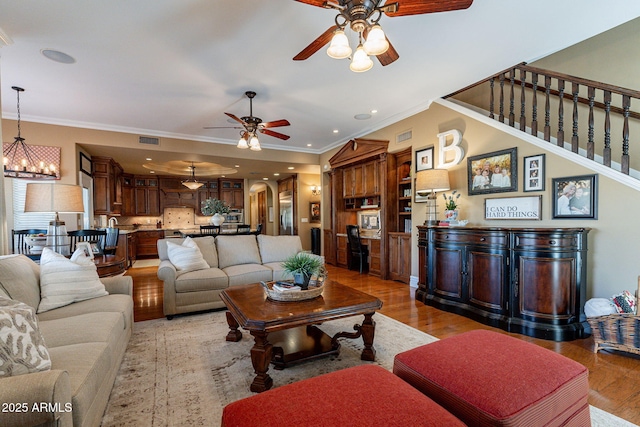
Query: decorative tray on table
[287,291]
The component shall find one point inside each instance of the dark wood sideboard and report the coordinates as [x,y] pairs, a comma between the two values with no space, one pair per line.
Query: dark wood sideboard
[525,280]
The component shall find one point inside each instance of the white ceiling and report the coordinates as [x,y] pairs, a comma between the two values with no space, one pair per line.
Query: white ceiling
[168,68]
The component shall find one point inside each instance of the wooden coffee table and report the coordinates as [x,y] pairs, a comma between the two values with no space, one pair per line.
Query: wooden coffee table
[286,333]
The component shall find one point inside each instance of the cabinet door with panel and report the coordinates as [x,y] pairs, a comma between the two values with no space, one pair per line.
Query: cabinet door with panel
[342,256]
[371,178]
[400,257]
[348,182]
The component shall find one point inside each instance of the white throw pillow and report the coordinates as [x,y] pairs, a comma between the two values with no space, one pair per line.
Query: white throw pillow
[186,257]
[64,281]
[22,348]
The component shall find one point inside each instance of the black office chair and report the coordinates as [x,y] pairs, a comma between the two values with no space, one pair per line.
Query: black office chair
[243,229]
[97,238]
[357,249]
[19,244]
[210,229]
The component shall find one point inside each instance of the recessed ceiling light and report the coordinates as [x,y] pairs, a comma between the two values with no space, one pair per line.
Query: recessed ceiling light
[152,171]
[148,159]
[236,166]
[57,56]
[374,111]
[336,131]
[276,174]
[362,116]
[266,179]
[291,168]
[308,145]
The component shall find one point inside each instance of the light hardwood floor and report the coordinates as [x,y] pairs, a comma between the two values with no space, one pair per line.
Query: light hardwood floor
[614,377]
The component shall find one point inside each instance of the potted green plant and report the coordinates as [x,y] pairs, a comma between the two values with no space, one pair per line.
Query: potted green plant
[302,266]
[216,208]
[451,206]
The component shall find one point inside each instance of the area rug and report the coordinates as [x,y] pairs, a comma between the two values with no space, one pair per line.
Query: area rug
[183,372]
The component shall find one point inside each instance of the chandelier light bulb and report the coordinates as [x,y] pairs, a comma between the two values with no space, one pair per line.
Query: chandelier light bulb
[361,61]
[339,47]
[376,43]
[253,142]
[242,142]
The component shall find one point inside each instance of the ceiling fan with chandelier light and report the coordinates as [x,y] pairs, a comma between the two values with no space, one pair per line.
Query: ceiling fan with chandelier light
[251,125]
[362,16]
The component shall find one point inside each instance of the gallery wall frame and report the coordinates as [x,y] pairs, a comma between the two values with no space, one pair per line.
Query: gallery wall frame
[85,164]
[495,172]
[575,197]
[533,173]
[424,159]
[513,208]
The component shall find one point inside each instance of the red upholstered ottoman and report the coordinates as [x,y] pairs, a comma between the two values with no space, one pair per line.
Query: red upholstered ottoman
[366,395]
[490,379]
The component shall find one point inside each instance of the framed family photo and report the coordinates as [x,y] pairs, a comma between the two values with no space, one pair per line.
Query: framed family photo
[424,159]
[495,172]
[575,197]
[533,173]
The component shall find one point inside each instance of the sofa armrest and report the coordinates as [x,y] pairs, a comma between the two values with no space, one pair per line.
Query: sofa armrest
[41,398]
[167,273]
[118,284]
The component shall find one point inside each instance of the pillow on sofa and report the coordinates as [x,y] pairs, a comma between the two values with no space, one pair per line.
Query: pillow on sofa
[20,279]
[64,281]
[278,248]
[22,348]
[186,257]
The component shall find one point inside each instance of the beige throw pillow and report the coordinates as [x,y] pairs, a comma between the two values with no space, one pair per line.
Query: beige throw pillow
[64,281]
[22,348]
[186,257]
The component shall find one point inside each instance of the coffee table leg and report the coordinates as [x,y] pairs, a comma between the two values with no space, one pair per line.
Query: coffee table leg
[234,334]
[368,330]
[260,358]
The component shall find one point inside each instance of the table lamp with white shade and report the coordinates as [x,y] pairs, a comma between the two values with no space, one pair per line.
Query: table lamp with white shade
[58,198]
[428,183]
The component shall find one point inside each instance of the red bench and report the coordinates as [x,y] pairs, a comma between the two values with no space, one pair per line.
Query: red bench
[490,379]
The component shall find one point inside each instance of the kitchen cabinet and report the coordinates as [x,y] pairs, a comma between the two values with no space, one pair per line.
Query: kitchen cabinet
[147,243]
[107,186]
[342,251]
[146,196]
[232,192]
[128,195]
[526,280]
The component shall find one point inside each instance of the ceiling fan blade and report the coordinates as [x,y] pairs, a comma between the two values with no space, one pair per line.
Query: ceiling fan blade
[319,3]
[236,119]
[316,45]
[274,134]
[275,123]
[417,7]
[391,55]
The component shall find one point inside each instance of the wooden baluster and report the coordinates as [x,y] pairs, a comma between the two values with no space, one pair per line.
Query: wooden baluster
[606,154]
[501,98]
[574,138]
[590,144]
[512,118]
[534,105]
[491,99]
[560,141]
[624,163]
[523,119]
[547,109]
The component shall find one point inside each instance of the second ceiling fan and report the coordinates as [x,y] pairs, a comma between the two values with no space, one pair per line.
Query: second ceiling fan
[252,125]
[362,17]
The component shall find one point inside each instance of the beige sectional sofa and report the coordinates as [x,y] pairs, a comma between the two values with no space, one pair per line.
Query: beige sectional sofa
[86,342]
[232,260]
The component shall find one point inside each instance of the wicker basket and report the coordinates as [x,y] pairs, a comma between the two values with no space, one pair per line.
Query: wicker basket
[617,331]
[275,295]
